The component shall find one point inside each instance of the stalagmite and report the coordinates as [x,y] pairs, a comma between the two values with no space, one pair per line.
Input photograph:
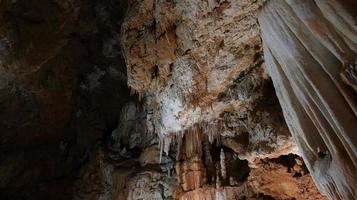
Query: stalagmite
[307,47]
[223,165]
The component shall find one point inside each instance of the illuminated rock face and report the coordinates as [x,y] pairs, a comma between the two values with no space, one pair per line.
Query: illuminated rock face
[310,53]
[205,122]
[181,55]
[202,64]
[198,66]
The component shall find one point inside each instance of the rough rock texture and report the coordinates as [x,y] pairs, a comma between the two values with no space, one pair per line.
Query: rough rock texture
[284,178]
[310,52]
[201,63]
[72,129]
[181,55]
[214,171]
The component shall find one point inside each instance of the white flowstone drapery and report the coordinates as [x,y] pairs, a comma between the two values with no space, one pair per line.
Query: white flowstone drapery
[310,52]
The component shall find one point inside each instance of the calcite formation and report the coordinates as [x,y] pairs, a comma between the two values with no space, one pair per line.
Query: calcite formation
[201,63]
[310,52]
[182,55]
[177,99]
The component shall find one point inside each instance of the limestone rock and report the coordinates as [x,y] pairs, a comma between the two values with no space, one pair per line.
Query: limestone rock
[171,99]
[306,47]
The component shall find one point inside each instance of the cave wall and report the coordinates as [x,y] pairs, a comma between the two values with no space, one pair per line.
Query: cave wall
[146,99]
[199,69]
[62,87]
[310,53]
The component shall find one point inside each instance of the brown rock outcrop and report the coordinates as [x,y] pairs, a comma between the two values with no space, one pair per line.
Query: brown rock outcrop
[284,182]
[182,55]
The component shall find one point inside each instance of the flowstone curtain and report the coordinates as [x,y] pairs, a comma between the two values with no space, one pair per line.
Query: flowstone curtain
[310,54]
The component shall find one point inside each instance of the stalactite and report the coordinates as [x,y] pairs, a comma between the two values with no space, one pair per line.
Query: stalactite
[167,142]
[193,141]
[212,130]
[161,148]
[179,137]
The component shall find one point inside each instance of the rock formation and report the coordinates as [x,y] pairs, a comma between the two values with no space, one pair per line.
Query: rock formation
[176,99]
[211,75]
[310,53]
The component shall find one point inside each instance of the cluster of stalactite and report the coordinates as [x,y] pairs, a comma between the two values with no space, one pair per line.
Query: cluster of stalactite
[310,54]
[208,169]
[203,168]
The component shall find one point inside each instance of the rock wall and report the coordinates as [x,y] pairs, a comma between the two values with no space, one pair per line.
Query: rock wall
[62,88]
[147,99]
[310,53]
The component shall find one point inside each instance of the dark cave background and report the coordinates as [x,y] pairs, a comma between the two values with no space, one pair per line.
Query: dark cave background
[62,90]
